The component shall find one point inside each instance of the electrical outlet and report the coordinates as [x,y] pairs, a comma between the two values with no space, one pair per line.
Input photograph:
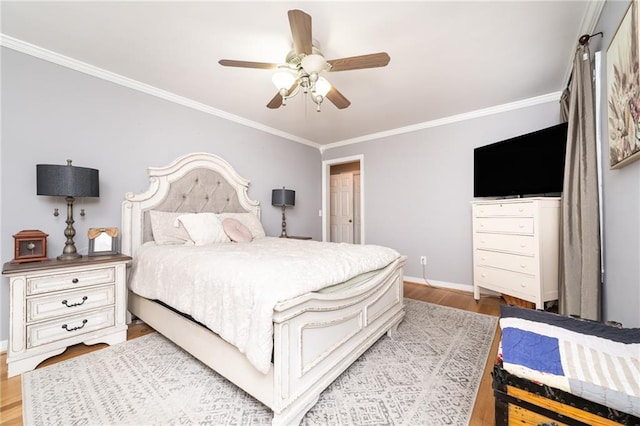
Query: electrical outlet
[423,260]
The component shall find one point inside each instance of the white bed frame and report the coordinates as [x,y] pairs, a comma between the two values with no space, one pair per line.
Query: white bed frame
[316,336]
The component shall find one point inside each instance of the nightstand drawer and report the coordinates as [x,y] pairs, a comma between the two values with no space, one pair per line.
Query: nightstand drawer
[510,262]
[507,209]
[507,225]
[69,303]
[70,280]
[522,244]
[63,328]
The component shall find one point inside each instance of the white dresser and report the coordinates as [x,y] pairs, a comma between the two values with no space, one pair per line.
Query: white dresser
[55,304]
[516,248]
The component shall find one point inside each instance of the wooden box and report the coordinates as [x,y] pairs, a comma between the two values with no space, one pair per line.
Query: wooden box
[523,402]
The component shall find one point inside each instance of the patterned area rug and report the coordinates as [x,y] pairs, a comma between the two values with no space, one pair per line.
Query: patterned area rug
[428,373]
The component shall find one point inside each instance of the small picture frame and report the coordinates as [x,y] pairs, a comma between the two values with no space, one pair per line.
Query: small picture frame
[103,241]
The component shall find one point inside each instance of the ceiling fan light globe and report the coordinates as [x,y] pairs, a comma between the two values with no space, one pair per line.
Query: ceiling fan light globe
[313,63]
[322,87]
[283,80]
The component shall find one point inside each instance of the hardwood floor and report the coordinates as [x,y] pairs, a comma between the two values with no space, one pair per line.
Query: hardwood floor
[483,412]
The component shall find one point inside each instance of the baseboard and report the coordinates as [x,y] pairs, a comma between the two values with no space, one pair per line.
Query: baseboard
[447,285]
[440,284]
[4,345]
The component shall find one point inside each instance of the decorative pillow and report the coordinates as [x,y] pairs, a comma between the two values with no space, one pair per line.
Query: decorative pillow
[236,230]
[204,228]
[165,230]
[249,220]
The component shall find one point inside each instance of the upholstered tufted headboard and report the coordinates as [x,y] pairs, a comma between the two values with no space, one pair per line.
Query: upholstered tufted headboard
[195,183]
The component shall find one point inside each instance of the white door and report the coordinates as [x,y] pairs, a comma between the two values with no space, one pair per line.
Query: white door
[341,208]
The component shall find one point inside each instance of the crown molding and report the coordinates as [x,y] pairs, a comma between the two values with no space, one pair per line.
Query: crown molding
[65,61]
[551,97]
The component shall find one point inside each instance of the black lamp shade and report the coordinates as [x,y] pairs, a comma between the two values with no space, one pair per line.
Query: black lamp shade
[67,181]
[283,197]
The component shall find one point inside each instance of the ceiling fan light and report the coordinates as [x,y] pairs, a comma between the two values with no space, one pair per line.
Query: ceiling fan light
[322,87]
[313,63]
[283,80]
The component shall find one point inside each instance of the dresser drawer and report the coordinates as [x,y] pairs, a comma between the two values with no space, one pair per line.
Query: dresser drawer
[522,244]
[504,281]
[507,225]
[63,328]
[510,262]
[69,303]
[70,280]
[523,209]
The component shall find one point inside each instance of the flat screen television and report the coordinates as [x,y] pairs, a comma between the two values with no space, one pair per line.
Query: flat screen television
[527,165]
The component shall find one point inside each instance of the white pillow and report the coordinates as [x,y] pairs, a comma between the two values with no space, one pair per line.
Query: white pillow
[165,230]
[204,228]
[249,220]
[236,230]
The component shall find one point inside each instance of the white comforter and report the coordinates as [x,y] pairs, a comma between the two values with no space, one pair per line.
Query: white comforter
[232,288]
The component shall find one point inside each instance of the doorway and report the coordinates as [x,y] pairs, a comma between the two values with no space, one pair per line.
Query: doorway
[343,200]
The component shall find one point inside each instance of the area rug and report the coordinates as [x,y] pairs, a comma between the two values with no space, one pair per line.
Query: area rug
[428,373]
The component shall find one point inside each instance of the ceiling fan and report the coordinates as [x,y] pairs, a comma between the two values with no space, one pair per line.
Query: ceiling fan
[305,63]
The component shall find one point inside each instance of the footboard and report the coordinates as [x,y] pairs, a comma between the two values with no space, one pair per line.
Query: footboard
[317,336]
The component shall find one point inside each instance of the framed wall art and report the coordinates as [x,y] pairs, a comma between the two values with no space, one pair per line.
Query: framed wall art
[623,91]
[103,241]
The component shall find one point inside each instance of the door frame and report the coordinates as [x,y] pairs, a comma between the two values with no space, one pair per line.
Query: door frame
[326,173]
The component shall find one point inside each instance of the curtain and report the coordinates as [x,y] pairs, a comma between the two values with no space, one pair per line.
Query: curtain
[580,269]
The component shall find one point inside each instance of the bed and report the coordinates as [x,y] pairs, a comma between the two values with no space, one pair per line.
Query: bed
[554,369]
[315,335]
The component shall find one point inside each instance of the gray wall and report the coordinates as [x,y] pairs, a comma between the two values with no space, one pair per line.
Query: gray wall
[621,203]
[418,187]
[51,114]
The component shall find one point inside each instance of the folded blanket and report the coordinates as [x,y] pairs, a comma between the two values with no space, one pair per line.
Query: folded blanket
[586,358]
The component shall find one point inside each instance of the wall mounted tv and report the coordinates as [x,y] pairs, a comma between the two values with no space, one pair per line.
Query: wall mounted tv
[527,165]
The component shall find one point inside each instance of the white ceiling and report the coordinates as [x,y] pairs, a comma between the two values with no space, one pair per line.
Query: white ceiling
[447,58]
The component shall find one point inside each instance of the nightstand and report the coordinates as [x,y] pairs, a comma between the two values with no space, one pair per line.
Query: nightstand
[55,304]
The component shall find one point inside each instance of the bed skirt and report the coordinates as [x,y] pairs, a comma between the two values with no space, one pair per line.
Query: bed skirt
[521,401]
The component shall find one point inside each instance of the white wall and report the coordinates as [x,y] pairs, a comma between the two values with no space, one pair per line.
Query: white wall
[419,185]
[51,114]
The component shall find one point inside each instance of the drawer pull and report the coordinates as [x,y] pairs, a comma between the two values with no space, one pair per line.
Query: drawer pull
[523,284]
[522,265]
[521,225]
[84,322]
[75,281]
[65,303]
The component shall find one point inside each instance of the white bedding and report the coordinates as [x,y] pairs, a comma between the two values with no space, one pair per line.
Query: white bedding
[232,288]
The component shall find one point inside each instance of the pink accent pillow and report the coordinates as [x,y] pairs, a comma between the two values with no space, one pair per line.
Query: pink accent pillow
[236,230]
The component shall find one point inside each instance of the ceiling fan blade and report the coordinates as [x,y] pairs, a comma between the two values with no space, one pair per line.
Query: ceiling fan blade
[372,60]
[247,64]
[276,101]
[300,24]
[338,98]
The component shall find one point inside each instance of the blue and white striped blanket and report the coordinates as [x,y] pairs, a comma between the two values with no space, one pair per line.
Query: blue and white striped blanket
[594,361]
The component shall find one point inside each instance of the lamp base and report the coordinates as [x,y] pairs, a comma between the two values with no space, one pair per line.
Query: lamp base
[69,252]
[283,234]
[69,256]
